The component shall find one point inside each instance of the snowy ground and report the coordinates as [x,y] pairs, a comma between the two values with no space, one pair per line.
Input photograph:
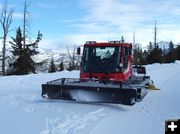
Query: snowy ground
[23,111]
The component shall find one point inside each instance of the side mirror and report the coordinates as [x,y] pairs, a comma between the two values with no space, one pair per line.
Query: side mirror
[78,51]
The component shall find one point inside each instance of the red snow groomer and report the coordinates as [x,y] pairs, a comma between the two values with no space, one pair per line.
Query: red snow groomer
[106,76]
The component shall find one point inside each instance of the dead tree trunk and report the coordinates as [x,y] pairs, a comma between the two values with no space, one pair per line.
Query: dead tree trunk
[5,20]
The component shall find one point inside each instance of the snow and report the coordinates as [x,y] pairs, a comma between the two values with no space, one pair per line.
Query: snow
[23,111]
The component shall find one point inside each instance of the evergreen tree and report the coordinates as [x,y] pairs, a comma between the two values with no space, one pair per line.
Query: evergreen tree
[178,53]
[149,53]
[144,57]
[150,47]
[24,64]
[171,46]
[155,56]
[61,66]
[137,54]
[52,67]
[171,55]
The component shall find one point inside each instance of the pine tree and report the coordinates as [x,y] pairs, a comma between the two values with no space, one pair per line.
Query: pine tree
[144,57]
[137,54]
[61,66]
[171,55]
[155,55]
[52,67]
[24,64]
[149,59]
[178,53]
[150,47]
[171,46]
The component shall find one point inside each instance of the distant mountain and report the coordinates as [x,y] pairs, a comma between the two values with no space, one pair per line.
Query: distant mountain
[43,59]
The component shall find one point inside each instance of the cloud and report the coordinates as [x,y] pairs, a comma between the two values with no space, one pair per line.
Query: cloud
[45,5]
[56,43]
[175,11]
[169,32]
[91,27]
[123,17]
[103,19]
[17,15]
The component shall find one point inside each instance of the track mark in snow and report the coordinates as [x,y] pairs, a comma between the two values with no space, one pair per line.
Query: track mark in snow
[153,115]
[17,101]
[73,123]
[20,80]
[170,79]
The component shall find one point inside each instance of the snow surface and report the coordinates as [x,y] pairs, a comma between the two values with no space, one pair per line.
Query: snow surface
[23,111]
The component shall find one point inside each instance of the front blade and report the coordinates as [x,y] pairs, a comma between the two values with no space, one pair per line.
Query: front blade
[90,91]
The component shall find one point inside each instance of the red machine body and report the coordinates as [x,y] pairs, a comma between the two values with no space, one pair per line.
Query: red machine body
[123,61]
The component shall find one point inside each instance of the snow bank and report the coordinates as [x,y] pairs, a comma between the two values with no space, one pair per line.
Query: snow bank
[177,62]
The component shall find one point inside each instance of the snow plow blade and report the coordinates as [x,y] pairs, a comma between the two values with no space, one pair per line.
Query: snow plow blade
[88,90]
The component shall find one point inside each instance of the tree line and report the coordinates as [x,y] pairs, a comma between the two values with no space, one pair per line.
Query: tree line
[155,54]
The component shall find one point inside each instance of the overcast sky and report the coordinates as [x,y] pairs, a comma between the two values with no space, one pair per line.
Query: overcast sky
[66,22]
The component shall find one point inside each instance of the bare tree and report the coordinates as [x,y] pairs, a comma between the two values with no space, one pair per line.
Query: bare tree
[25,13]
[73,59]
[155,35]
[26,24]
[5,20]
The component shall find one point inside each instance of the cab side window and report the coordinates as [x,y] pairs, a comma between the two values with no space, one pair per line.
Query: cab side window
[125,58]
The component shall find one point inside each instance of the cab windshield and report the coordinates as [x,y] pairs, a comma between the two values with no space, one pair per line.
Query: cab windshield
[101,59]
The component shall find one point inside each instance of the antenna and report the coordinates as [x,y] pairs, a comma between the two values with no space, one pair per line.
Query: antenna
[134,38]
[108,35]
[122,39]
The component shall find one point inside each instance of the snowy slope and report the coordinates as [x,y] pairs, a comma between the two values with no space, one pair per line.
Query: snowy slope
[23,111]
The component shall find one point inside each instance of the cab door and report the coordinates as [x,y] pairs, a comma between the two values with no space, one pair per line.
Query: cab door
[127,65]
